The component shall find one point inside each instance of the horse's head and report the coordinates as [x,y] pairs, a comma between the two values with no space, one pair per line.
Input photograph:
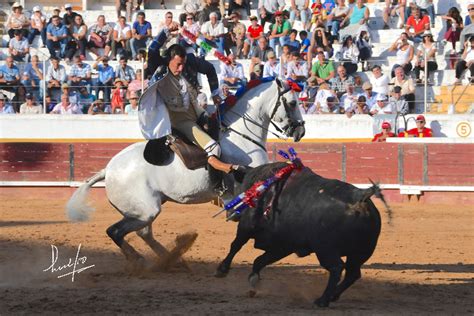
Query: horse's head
[286,112]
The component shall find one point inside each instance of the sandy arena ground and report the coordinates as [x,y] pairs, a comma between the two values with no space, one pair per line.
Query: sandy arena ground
[424,264]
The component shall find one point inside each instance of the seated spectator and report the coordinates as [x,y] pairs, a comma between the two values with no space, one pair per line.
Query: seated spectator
[260,53]
[369,94]
[191,8]
[254,32]
[172,27]
[57,37]
[468,29]
[80,74]
[321,100]
[338,83]
[232,74]
[30,106]
[360,107]
[213,32]
[19,48]
[317,14]
[428,47]
[319,41]
[305,43]
[192,27]
[124,72]
[69,16]
[33,77]
[382,106]
[78,31]
[309,92]
[323,69]
[118,96]
[379,81]
[364,45]
[393,7]
[426,7]
[466,61]
[349,99]
[407,85]
[358,16]
[105,77]
[419,131]
[71,93]
[384,134]
[268,8]
[49,103]
[37,26]
[236,35]
[297,69]
[17,20]
[332,106]
[454,26]
[66,107]
[271,68]
[337,16]
[55,77]
[235,5]
[141,34]
[300,10]
[293,43]
[100,36]
[5,107]
[122,34]
[285,58]
[132,107]
[416,25]
[405,53]
[125,5]
[349,55]
[85,99]
[99,107]
[397,103]
[210,6]
[280,31]
[135,86]
[9,76]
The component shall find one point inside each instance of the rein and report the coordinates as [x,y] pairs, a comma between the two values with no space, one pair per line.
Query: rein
[247,118]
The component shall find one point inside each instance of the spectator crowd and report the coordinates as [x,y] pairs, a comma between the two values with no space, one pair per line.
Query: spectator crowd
[330,75]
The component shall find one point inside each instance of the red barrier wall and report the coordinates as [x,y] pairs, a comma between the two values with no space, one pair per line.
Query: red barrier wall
[389,163]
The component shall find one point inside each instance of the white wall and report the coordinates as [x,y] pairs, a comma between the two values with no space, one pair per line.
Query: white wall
[122,127]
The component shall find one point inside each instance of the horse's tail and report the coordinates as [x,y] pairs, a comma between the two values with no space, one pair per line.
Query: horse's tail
[77,208]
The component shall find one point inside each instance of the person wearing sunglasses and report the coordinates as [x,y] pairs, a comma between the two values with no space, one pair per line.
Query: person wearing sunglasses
[420,130]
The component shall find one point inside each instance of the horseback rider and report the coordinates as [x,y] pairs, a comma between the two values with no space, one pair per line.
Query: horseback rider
[174,83]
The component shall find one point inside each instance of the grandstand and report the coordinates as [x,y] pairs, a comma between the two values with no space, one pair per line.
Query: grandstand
[438,96]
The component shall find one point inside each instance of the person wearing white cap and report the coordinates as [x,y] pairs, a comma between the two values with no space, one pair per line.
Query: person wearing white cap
[68,17]
[381,107]
[38,25]
[17,21]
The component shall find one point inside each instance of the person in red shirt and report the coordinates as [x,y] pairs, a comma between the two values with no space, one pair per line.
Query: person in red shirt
[254,32]
[416,25]
[419,131]
[386,132]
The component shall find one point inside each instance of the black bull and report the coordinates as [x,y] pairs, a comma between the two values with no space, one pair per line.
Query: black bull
[306,214]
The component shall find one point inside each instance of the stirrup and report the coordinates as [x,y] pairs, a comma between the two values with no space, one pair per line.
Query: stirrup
[221,189]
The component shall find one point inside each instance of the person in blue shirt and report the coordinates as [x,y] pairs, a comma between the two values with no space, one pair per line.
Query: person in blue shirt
[57,37]
[5,108]
[305,42]
[33,77]
[85,99]
[10,76]
[293,42]
[105,79]
[141,34]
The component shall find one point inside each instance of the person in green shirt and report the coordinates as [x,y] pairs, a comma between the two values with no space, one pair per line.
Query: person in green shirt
[280,31]
[323,69]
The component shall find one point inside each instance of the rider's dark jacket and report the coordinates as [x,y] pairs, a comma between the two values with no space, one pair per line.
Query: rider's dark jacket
[158,65]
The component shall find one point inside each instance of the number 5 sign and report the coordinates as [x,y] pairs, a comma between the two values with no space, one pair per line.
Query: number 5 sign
[463,129]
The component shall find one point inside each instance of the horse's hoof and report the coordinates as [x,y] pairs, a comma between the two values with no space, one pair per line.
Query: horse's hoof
[220,274]
[321,302]
[335,298]
[253,279]
[252,293]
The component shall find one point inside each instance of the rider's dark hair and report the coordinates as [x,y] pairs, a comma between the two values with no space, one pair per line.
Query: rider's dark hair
[176,50]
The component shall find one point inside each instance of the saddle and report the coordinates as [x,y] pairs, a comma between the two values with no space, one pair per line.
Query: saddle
[158,151]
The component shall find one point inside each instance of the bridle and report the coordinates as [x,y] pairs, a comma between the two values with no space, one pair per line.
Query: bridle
[286,129]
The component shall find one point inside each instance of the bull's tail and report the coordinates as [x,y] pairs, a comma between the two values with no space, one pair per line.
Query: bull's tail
[377,191]
[77,208]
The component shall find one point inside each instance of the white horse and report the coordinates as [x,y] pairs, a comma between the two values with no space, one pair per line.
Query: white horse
[138,189]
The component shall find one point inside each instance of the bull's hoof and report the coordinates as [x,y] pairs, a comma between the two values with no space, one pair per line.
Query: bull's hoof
[252,293]
[321,302]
